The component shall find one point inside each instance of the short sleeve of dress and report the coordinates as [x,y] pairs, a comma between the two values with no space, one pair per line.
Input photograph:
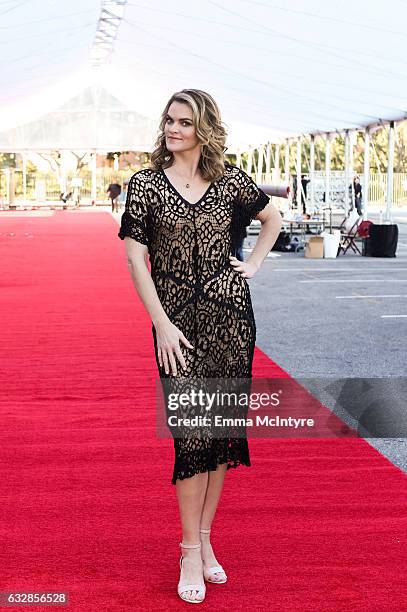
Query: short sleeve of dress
[134,221]
[249,201]
[251,198]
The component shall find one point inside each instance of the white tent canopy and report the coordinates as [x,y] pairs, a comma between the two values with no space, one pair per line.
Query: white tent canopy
[276,69]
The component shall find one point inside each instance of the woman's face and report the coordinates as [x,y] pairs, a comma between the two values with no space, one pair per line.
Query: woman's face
[179,129]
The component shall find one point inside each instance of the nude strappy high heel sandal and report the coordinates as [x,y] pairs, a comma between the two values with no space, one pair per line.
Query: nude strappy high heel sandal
[211,573]
[182,588]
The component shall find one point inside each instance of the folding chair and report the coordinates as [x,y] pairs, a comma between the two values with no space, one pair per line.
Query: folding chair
[348,237]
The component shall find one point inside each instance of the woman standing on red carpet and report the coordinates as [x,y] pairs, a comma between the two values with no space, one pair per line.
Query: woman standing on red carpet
[188,212]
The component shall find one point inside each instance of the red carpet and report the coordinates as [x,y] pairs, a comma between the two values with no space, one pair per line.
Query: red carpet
[86,501]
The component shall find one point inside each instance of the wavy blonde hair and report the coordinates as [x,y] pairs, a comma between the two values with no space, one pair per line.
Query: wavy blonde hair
[209,130]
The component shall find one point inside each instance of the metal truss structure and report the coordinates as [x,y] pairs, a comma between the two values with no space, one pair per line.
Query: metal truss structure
[111,16]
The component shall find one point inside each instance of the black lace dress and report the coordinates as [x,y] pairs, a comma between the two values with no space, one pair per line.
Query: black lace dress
[203,295]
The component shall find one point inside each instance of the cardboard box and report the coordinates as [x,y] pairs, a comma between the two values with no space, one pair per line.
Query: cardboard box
[315,247]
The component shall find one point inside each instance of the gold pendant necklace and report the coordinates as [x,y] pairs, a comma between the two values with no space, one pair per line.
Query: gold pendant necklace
[188,185]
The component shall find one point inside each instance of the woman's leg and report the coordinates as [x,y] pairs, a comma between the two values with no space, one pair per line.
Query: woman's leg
[213,493]
[191,496]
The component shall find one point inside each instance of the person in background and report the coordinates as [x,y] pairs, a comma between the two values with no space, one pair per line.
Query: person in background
[114,191]
[355,195]
[304,183]
[65,196]
[123,194]
[357,190]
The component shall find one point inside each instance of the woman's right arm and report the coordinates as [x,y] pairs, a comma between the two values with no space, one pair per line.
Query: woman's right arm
[168,334]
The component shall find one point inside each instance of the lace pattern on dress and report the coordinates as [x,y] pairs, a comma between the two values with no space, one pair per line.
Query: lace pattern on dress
[201,292]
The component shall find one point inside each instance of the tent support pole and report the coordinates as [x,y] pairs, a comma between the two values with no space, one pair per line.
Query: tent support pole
[7,173]
[268,161]
[390,164]
[312,172]
[287,162]
[63,185]
[277,163]
[260,164]
[249,160]
[351,165]
[12,188]
[93,194]
[298,171]
[24,159]
[328,170]
[238,158]
[347,173]
[366,171]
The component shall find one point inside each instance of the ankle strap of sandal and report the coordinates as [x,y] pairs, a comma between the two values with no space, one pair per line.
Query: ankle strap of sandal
[190,545]
[205,530]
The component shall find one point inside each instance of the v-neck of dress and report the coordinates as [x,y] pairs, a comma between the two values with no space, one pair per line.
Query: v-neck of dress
[181,196]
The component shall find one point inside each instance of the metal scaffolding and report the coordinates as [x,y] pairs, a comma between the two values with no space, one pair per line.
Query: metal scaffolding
[111,16]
